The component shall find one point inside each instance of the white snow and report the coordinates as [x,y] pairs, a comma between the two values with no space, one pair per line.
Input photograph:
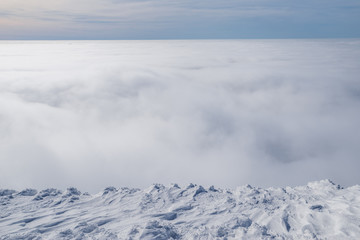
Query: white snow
[319,210]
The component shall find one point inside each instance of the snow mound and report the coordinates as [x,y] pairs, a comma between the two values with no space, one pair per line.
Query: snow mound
[319,210]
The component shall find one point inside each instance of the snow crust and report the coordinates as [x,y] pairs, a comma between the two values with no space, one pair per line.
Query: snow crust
[319,210]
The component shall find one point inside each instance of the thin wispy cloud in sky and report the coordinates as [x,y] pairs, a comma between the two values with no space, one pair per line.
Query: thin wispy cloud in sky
[129,113]
[152,19]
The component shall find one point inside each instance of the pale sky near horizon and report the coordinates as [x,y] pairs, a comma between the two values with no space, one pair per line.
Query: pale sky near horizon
[169,19]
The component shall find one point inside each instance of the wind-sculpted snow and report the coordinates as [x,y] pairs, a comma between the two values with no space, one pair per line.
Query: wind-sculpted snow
[319,210]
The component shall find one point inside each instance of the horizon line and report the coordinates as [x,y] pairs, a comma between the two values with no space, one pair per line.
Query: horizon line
[179,39]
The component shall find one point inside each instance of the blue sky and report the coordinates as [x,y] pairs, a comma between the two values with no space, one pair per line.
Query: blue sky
[170,19]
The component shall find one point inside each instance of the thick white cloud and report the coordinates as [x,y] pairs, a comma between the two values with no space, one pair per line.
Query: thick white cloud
[93,114]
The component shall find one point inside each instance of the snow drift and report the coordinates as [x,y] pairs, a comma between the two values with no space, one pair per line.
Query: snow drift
[319,210]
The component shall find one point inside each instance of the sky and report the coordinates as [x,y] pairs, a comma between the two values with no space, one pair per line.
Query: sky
[173,19]
[93,114]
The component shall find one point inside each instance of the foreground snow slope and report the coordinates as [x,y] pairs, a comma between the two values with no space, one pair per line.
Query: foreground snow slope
[319,210]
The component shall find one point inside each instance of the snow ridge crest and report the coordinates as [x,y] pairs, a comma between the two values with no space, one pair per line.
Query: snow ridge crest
[318,210]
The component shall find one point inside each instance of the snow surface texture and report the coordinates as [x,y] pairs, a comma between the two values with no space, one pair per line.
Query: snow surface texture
[319,210]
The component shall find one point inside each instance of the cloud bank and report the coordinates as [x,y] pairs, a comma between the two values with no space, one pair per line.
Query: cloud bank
[131,113]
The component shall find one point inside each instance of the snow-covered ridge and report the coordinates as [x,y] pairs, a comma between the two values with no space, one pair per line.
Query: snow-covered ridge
[319,210]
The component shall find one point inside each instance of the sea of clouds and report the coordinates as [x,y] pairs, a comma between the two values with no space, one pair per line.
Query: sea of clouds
[225,112]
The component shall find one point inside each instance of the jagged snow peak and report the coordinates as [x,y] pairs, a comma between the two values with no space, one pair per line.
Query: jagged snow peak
[319,210]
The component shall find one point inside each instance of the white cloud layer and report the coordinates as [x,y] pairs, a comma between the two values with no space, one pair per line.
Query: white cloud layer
[92,114]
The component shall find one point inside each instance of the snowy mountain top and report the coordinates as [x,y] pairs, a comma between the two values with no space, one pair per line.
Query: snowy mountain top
[319,210]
